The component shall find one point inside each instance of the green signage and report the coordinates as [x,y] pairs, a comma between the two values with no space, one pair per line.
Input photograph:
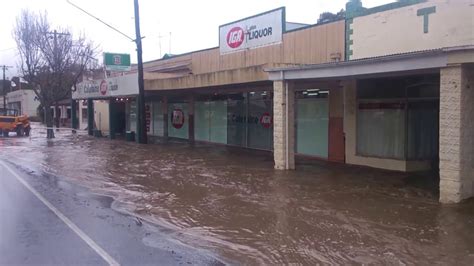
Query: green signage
[117,62]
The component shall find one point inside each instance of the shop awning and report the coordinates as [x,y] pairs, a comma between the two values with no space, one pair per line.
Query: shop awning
[398,63]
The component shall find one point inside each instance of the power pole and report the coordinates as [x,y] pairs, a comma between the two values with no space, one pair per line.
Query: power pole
[4,67]
[141,129]
[141,125]
[55,34]
[56,59]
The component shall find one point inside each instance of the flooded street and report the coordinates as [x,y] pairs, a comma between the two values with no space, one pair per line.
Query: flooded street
[232,202]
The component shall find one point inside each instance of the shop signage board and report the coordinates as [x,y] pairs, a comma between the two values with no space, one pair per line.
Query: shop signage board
[117,62]
[103,88]
[260,30]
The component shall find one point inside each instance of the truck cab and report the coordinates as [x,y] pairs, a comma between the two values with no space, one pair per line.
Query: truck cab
[12,121]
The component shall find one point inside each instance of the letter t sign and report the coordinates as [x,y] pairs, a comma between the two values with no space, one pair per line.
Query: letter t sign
[425,12]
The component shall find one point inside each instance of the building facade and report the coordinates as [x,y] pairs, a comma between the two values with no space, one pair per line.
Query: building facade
[24,101]
[386,87]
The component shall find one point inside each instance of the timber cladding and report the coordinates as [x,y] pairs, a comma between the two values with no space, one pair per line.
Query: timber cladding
[310,45]
[225,77]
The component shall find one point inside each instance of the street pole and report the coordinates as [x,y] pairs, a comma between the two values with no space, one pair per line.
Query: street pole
[4,67]
[4,89]
[141,123]
[141,129]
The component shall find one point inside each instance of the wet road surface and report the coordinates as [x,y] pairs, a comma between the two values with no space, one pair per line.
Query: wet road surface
[32,234]
[232,204]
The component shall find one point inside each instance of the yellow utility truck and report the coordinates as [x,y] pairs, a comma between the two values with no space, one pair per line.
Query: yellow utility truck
[11,121]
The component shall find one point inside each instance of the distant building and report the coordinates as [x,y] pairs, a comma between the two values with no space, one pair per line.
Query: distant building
[25,101]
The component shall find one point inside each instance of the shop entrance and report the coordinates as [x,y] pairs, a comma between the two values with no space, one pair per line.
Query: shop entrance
[117,118]
[312,123]
[120,123]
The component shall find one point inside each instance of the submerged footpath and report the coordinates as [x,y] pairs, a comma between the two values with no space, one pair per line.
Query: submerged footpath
[232,203]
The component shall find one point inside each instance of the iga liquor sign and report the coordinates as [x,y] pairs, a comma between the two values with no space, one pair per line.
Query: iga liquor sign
[252,32]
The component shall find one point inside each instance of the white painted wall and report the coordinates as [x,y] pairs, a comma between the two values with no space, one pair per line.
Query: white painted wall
[82,118]
[401,30]
[27,100]
[101,115]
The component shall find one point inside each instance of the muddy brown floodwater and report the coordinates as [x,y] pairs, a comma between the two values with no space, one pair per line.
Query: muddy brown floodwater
[233,203]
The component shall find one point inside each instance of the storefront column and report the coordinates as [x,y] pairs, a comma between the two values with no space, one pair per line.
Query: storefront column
[90,117]
[456,134]
[336,151]
[191,118]
[165,118]
[74,114]
[112,119]
[283,127]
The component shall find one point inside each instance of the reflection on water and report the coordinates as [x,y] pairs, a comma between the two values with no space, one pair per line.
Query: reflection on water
[234,204]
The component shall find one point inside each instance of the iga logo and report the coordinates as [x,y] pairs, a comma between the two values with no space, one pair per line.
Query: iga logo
[103,87]
[266,120]
[235,37]
[177,119]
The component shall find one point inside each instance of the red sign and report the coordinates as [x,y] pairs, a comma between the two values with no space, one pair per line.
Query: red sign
[266,120]
[177,118]
[103,87]
[235,37]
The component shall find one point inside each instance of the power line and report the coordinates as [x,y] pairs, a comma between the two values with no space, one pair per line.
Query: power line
[141,129]
[103,22]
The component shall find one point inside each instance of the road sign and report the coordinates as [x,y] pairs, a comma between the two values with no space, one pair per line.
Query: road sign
[117,62]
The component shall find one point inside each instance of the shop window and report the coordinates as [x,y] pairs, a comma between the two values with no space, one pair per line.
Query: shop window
[210,121]
[381,129]
[201,121]
[260,120]
[131,110]
[398,118]
[423,130]
[157,118]
[237,120]
[240,119]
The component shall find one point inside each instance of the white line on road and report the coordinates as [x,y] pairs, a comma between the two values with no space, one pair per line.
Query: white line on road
[69,223]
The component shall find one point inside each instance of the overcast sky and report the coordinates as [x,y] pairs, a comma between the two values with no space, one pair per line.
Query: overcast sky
[193,24]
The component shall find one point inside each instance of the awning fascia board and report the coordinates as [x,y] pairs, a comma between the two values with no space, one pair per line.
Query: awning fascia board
[363,68]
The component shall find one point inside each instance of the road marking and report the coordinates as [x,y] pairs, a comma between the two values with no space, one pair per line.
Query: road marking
[69,223]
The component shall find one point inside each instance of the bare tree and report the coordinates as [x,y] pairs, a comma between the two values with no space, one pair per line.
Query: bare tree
[51,61]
